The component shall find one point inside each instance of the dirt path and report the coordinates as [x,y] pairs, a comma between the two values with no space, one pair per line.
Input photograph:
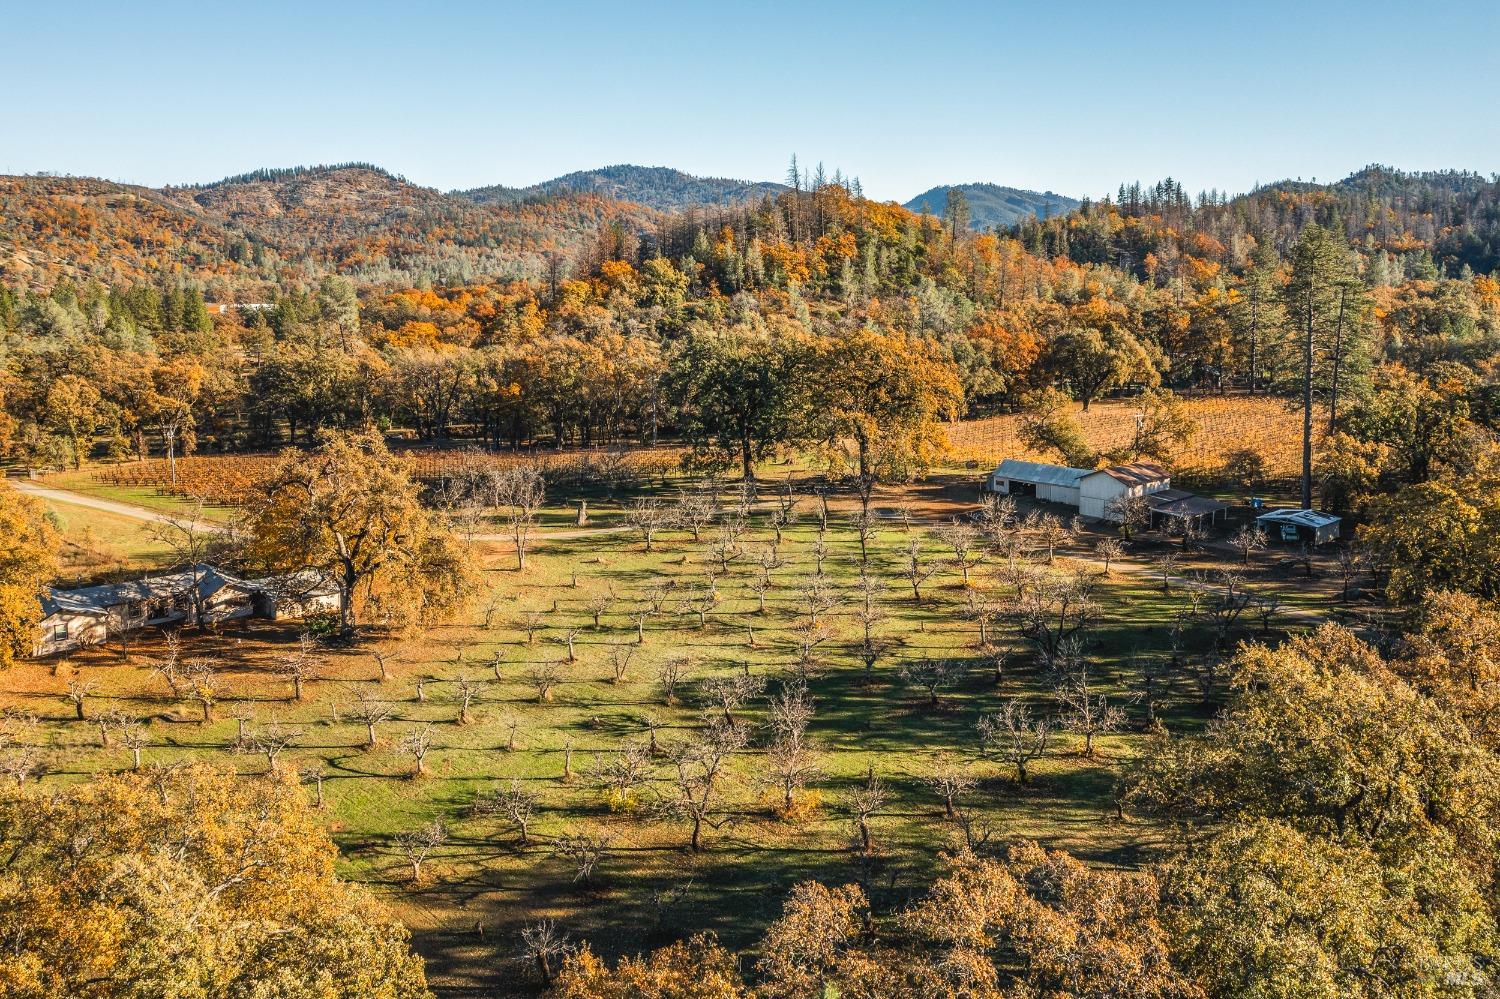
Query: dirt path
[129,510]
[140,513]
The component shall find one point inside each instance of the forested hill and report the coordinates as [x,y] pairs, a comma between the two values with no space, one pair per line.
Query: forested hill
[247,234]
[1432,223]
[991,205]
[661,188]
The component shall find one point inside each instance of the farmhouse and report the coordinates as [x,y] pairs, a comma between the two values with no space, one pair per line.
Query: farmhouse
[1053,483]
[1310,526]
[75,619]
[1098,490]
[72,619]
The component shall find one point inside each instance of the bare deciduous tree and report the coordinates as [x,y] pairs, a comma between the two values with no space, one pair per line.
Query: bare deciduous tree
[620,657]
[1017,736]
[584,851]
[1109,551]
[543,944]
[646,515]
[963,540]
[370,713]
[544,677]
[417,743]
[416,845]
[932,675]
[729,693]
[914,570]
[515,803]
[669,675]
[863,803]
[519,492]
[950,782]
[1087,711]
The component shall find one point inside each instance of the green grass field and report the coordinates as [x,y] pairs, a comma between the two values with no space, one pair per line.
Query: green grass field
[481,885]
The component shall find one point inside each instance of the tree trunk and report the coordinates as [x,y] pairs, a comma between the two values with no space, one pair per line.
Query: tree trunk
[1307,401]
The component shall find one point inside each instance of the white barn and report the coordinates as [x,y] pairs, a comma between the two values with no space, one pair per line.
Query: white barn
[1053,483]
[1099,489]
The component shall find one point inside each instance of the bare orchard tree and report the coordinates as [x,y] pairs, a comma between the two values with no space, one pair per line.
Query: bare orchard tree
[417,743]
[519,493]
[1165,567]
[1052,612]
[79,691]
[694,509]
[982,610]
[598,605]
[808,637]
[544,677]
[1248,540]
[1087,711]
[315,774]
[169,665]
[416,845]
[950,782]
[532,622]
[669,676]
[727,694]
[933,676]
[863,803]
[1045,532]
[273,739]
[515,803]
[620,656]
[865,529]
[914,570]
[790,766]
[963,540]
[569,638]
[203,685]
[467,690]
[370,712]
[1018,737]
[543,946]
[817,597]
[135,738]
[621,775]
[584,851]
[698,772]
[298,666]
[1130,512]
[1109,551]
[646,515]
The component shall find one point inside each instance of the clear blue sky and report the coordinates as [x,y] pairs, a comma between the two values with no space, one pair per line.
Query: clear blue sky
[1072,97]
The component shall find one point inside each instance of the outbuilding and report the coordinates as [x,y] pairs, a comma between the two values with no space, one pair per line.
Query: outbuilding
[1313,527]
[1101,490]
[295,595]
[1053,483]
[1178,506]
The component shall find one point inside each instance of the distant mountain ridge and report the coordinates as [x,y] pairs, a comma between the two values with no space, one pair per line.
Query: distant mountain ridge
[992,205]
[661,188]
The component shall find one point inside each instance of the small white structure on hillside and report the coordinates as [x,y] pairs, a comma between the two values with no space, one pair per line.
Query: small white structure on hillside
[1053,483]
[1098,491]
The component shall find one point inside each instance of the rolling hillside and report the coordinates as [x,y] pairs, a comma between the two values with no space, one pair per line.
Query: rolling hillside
[991,205]
[660,188]
[254,229]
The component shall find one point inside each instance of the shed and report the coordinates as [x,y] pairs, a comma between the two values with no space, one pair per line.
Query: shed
[1099,489]
[1054,483]
[1295,525]
[1181,506]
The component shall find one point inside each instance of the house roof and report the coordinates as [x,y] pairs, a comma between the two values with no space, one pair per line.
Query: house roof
[1033,471]
[98,599]
[1176,503]
[1137,474]
[298,585]
[1302,518]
